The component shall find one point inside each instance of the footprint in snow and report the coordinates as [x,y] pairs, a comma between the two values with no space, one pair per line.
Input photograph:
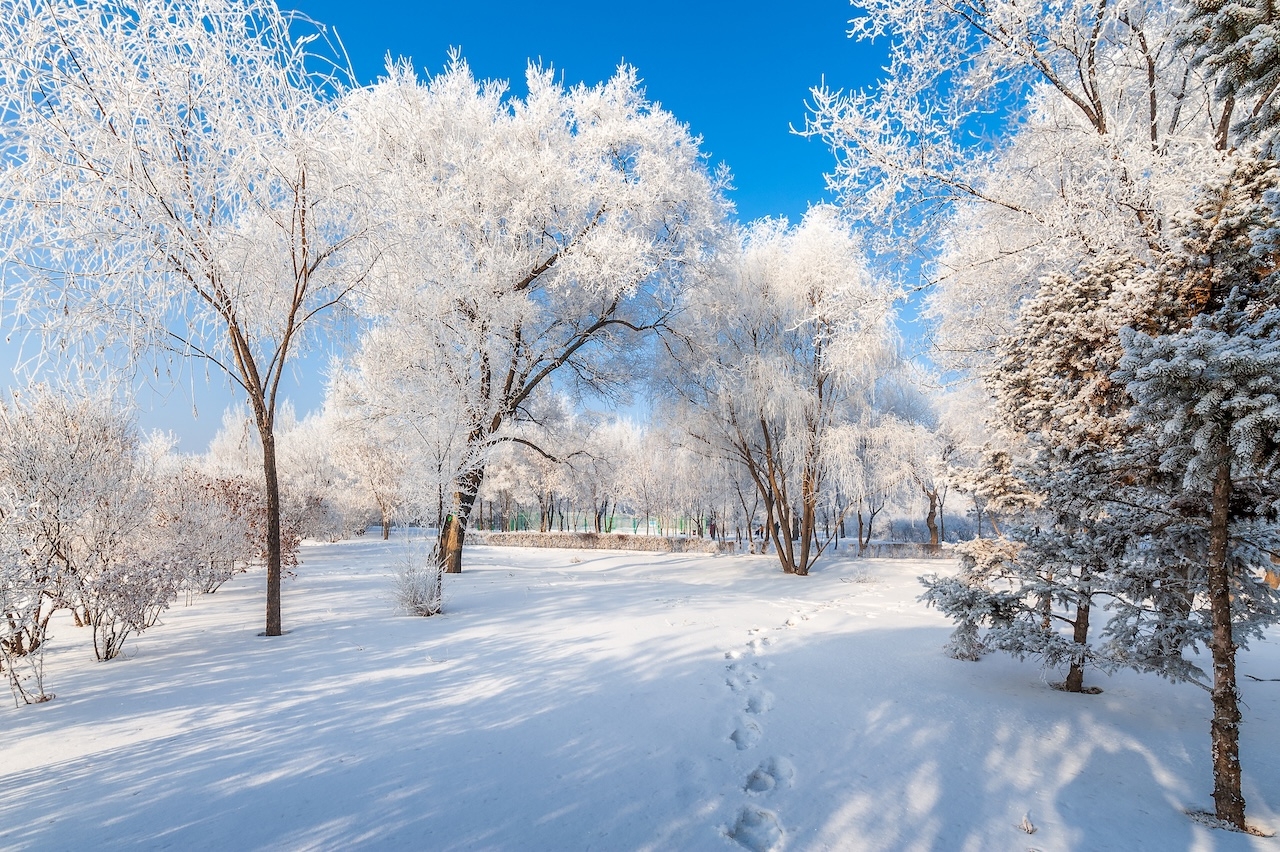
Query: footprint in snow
[771,774]
[739,678]
[758,644]
[759,701]
[757,830]
[746,735]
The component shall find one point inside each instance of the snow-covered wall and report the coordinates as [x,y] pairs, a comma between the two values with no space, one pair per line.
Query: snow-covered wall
[602,541]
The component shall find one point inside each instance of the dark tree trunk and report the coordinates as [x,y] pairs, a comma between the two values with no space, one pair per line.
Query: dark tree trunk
[1228,801]
[267,434]
[386,525]
[1080,635]
[931,519]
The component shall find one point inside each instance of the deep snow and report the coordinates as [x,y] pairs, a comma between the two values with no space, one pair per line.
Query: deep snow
[603,700]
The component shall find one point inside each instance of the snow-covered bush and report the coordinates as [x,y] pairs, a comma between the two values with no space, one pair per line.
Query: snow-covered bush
[203,525]
[25,607]
[78,490]
[419,585]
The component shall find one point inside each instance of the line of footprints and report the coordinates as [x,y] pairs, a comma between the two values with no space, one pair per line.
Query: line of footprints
[756,828]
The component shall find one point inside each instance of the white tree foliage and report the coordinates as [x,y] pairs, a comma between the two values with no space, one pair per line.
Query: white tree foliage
[533,238]
[776,353]
[170,188]
[1008,142]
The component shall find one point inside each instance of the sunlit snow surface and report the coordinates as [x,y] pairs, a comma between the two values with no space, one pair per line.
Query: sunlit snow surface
[602,700]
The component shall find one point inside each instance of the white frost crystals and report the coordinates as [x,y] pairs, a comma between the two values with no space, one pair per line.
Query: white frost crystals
[171,191]
[525,242]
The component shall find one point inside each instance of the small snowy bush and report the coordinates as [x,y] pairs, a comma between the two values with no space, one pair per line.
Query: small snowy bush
[25,607]
[419,583]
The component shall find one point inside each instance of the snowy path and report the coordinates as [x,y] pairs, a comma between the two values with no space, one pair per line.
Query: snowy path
[598,700]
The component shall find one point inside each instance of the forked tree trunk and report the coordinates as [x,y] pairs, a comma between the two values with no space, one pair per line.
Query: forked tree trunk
[931,519]
[1228,801]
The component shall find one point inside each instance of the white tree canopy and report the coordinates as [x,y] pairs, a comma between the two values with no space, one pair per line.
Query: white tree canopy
[532,238]
[170,186]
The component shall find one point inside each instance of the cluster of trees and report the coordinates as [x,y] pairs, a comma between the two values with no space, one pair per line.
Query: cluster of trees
[96,521]
[183,184]
[1090,188]
[1106,273]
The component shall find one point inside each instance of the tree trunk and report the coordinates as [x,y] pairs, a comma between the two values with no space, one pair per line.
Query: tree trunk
[386,525]
[1228,801]
[273,528]
[1080,635]
[454,532]
[931,519]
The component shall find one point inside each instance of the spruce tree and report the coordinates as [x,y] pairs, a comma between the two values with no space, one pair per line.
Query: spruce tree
[1207,391]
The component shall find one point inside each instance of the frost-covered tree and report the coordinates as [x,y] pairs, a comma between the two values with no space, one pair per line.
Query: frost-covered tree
[373,458]
[1008,143]
[1053,390]
[534,240]
[778,351]
[929,453]
[869,463]
[1206,388]
[171,189]
[1239,44]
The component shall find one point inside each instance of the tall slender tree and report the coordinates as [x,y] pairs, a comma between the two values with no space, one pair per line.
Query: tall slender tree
[1206,387]
[169,190]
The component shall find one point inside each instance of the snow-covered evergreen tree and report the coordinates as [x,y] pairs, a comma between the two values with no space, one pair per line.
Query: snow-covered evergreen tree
[1207,389]
[1238,41]
[1054,393]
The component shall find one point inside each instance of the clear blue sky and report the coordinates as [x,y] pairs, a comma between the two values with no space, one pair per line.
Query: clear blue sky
[737,73]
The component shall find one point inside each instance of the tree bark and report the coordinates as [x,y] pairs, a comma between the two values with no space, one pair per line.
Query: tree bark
[1080,635]
[274,626]
[931,519]
[1228,801]
[454,532]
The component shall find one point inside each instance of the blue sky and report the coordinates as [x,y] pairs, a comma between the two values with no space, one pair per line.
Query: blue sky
[737,73]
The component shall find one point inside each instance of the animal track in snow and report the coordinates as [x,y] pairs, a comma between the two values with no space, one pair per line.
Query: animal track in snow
[757,830]
[746,735]
[772,773]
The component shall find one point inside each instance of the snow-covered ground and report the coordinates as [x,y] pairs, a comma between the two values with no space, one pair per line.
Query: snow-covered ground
[604,700]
